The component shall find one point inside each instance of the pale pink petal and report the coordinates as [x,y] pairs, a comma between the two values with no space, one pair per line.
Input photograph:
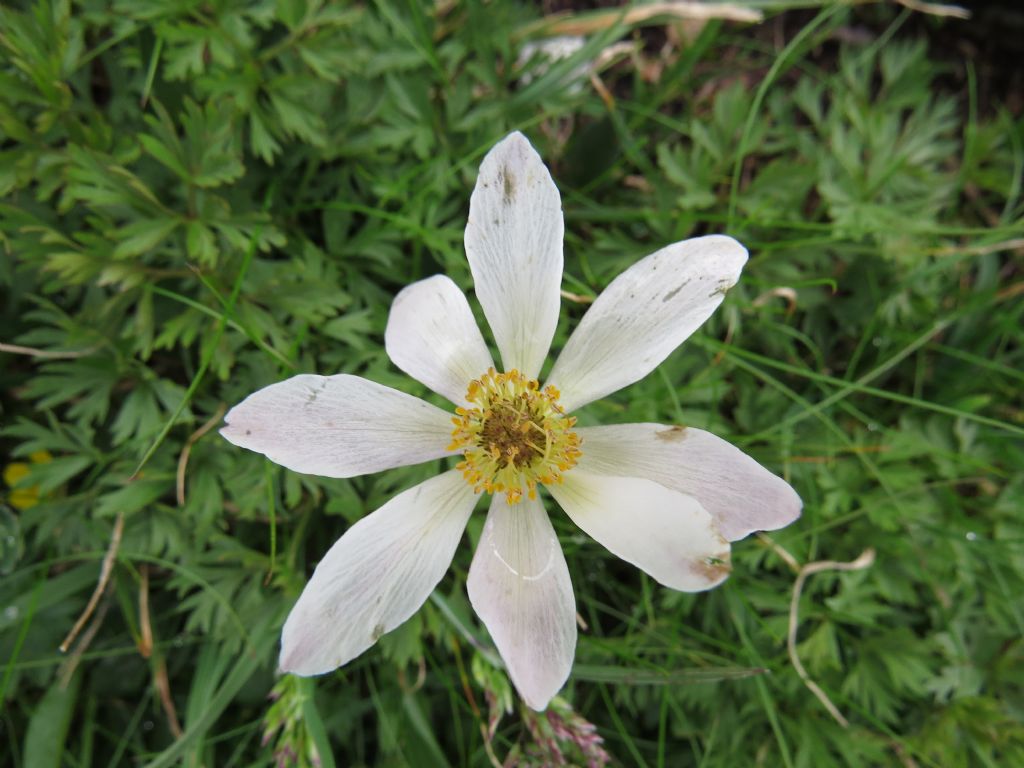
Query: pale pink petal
[668,535]
[741,495]
[643,315]
[519,586]
[376,576]
[432,336]
[338,426]
[514,244]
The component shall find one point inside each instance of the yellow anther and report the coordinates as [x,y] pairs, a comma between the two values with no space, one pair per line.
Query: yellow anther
[514,436]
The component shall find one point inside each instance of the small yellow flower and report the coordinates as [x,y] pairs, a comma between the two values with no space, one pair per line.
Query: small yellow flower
[24,497]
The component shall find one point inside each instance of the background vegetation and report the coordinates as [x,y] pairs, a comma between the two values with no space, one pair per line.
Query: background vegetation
[203,197]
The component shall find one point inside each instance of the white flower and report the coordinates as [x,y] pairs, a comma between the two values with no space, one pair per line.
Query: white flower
[667,499]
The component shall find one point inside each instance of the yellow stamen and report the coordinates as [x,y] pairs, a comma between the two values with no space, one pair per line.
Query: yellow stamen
[514,436]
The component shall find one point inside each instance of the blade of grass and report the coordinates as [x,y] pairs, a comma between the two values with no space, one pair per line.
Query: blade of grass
[240,674]
[737,610]
[846,389]
[596,673]
[19,641]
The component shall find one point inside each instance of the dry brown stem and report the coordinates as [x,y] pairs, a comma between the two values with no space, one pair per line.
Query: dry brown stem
[17,349]
[163,686]
[586,24]
[145,644]
[577,298]
[866,559]
[981,250]
[105,570]
[782,292]
[936,9]
[192,440]
[68,668]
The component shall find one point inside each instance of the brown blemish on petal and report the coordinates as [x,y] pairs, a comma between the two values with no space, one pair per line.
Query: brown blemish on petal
[378,631]
[722,289]
[509,186]
[713,569]
[672,294]
[312,395]
[673,434]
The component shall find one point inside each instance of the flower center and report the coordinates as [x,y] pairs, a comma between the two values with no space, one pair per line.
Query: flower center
[514,436]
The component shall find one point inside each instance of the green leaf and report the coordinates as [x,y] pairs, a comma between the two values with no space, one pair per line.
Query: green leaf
[134,496]
[48,727]
[201,243]
[261,140]
[298,119]
[291,12]
[143,236]
[50,475]
[164,154]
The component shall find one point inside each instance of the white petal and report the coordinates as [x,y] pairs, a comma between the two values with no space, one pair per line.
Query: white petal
[643,315]
[519,586]
[668,535]
[514,244]
[432,336]
[741,495]
[338,426]
[376,576]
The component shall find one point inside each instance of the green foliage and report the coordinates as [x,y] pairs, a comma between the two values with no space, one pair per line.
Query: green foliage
[202,198]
